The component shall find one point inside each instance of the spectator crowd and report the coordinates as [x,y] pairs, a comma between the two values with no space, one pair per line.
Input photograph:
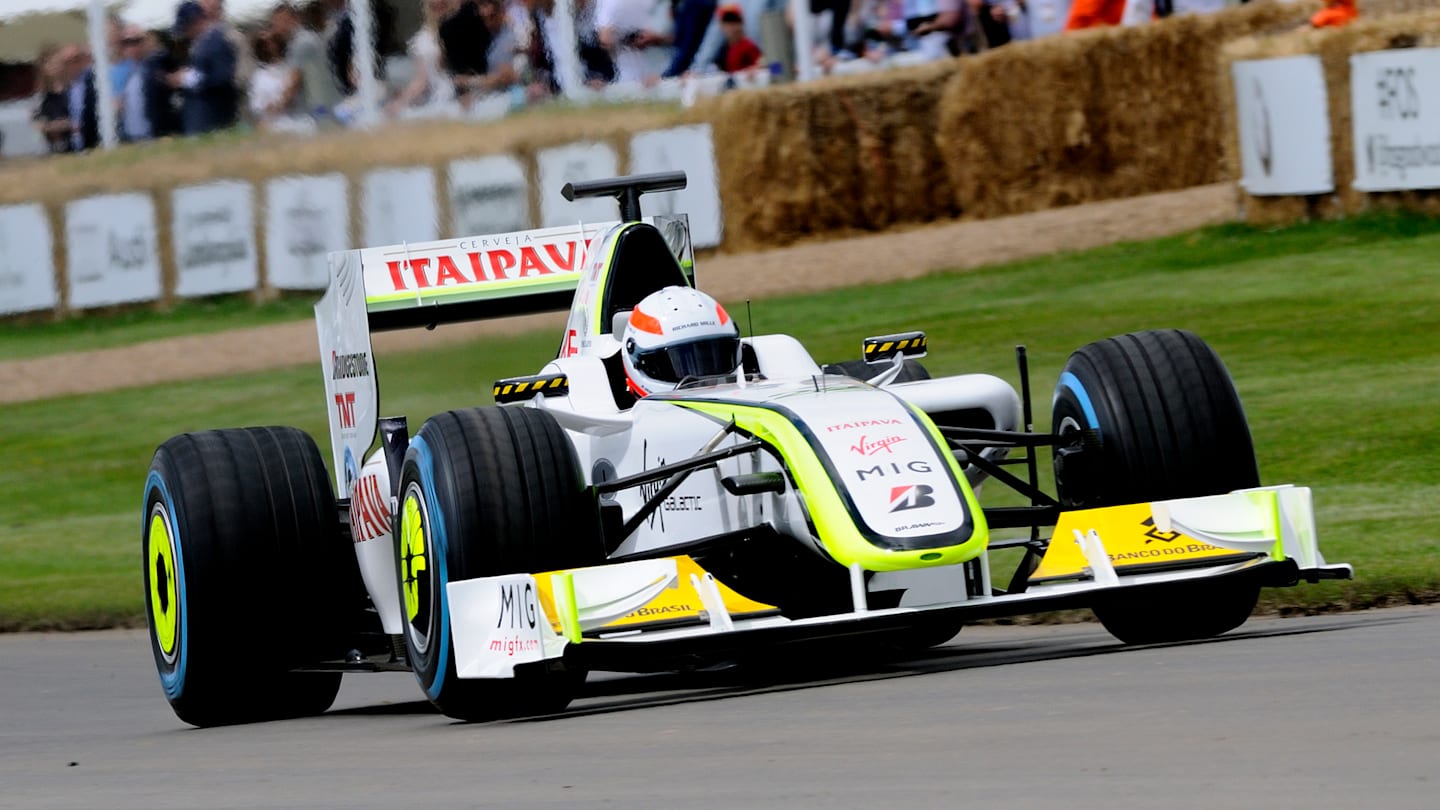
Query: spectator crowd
[297,70]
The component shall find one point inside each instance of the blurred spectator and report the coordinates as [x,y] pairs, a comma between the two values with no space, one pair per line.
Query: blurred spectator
[135,111]
[536,33]
[340,45]
[239,45]
[122,62]
[500,73]
[1094,13]
[1017,17]
[270,81]
[430,88]
[692,19]
[598,64]
[52,113]
[839,17]
[161,104]
[1335,14]
[208,79]
[464,40]
[626,28]
[311,89]
[992,20]
[738,52]
[932,24]
[81,101]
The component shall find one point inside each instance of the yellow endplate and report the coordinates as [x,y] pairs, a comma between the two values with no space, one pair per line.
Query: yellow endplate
[1130,538]
[672,603]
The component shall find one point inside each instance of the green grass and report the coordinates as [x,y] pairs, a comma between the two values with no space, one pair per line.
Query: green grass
[1332,332]
[19,340]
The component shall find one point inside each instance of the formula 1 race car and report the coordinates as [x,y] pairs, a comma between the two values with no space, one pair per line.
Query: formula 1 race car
[666,494]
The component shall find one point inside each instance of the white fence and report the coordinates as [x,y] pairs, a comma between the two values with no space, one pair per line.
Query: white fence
[230,236]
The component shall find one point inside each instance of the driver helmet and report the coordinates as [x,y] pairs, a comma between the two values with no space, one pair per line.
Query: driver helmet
[675,333]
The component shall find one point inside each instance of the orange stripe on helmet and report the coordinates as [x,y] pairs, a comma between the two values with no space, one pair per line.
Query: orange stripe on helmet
[724,316]
[645,323]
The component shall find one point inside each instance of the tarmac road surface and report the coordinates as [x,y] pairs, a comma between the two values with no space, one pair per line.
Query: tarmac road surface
[1332,711]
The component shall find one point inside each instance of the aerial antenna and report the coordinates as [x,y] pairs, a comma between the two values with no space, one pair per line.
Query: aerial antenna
[749,321]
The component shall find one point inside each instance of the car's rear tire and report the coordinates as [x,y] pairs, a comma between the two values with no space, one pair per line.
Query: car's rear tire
[485,492]
[247,575]
[1165,422]
[910,371]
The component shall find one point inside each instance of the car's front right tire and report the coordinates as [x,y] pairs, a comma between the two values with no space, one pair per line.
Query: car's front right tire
[485,492]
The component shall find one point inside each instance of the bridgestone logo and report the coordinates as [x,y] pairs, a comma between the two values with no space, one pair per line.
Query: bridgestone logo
[349,366]
[1152,553]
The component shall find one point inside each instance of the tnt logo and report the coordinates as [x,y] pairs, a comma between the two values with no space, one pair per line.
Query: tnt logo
[912,496]
[345,404]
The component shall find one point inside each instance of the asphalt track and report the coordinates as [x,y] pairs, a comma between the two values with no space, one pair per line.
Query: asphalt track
[1332,711]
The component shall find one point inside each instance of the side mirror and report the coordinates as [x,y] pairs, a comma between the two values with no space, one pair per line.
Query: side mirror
[886,347]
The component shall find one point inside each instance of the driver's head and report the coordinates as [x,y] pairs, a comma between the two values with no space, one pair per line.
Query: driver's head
[677,333]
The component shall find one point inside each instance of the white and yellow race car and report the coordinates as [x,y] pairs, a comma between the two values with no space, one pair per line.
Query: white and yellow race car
[584,522]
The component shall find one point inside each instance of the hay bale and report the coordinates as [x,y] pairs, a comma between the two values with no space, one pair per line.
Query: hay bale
[1390,26]
[833,156]
[1101,114]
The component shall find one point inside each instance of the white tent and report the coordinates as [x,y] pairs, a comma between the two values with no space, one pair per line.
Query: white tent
[148,13]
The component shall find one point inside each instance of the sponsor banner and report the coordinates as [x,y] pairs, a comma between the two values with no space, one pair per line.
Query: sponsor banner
[306,217]
[475,267]
[575,162]
[110,255]
[688,149]
[398,205]
[1131,537]
[27,269]
[1284,126]
[488,195]
[1395,115]
[213,231]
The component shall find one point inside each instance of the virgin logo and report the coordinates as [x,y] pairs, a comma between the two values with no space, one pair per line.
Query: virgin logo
[865,447]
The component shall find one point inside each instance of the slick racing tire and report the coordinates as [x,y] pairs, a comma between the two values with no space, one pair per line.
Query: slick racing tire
[247,575]
[1161,420]
[485,492]
[911,371]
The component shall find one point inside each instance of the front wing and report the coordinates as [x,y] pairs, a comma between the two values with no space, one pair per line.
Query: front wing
[586,616]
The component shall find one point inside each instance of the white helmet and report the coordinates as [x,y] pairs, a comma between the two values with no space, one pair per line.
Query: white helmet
[675,333]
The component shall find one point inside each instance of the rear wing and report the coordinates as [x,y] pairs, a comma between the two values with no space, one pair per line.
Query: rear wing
[452,280]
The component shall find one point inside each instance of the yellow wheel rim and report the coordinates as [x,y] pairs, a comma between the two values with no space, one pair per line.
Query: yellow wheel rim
[164,608]
[412,553]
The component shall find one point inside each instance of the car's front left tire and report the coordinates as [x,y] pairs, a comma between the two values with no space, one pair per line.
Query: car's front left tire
[1166,422]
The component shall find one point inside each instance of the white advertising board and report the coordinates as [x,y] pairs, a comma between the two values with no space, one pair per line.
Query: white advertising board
[691,150]
[306,217]
[399,206]
[1284,126]
[213,230]
[110,255]
[575,162]
[1395,113]
[488,195]
[27,269]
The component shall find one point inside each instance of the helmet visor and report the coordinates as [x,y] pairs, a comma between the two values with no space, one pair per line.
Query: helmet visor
[700,358]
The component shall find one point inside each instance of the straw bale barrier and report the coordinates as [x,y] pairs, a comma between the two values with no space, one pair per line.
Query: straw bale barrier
[1334,47]
[1096,115]
[836,155]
